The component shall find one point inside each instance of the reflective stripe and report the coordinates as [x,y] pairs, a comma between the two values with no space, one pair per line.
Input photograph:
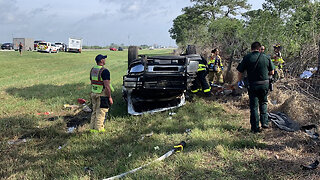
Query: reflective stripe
[195,91]
[202,67]
[97,82]
[207,90]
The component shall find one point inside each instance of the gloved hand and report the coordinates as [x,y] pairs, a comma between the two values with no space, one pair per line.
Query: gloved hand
[240,84]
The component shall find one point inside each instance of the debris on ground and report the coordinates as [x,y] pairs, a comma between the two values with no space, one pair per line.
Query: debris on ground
[52,118]
[146,135]
[130,154]
[226,90]
[44,113]
[283,122]
[76,120]
[172,113]
[311,131]
[308,73]
[17,142]
[311,166]
[72,107]
[88,170]
[71,129]
[81,101]
[60,147]
[86,109]
[156,148]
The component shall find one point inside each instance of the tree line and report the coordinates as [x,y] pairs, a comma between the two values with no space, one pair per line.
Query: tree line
[232,26]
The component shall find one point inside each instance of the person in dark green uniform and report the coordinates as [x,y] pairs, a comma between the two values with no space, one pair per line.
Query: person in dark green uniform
[259,67]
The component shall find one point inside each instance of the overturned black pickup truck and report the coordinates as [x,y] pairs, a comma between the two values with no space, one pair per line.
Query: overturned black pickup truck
[157,83]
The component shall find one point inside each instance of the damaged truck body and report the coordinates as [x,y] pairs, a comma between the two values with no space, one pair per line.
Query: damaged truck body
[157,83]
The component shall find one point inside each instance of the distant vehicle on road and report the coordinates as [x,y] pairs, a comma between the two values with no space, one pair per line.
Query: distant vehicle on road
[120,49]
[75,45]
[113,49]
[60,45]
[35,44]
[47,47]
[8,46]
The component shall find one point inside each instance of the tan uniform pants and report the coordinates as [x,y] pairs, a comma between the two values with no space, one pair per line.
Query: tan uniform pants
[98,114]
[215,77]
[280,73]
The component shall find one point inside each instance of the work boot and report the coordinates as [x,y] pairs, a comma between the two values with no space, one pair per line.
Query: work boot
[256,131]
[97,131]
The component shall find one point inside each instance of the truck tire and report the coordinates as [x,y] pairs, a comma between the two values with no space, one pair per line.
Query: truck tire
[191,49]
[132,54]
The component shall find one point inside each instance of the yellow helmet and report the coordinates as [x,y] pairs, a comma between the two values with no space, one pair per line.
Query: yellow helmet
[277,46]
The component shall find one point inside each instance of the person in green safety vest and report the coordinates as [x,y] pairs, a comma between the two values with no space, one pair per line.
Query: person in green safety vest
[100,94]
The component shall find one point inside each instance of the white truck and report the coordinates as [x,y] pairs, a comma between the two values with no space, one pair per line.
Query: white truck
[47,47]
[26,42]
[60,46]
[75,45]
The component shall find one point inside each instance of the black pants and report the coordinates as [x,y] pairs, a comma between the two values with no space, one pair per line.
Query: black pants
[200,82]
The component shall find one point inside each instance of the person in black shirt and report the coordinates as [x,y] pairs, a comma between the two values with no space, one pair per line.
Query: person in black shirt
[20,48]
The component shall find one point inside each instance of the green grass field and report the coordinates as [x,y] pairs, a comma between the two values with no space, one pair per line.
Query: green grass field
[217,148]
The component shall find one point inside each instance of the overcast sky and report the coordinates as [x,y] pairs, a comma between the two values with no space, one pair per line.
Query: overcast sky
[98,22]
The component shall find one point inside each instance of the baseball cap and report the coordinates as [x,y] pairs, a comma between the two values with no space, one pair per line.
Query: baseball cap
[100,57]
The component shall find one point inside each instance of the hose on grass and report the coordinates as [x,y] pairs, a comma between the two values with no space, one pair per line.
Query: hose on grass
[177,148]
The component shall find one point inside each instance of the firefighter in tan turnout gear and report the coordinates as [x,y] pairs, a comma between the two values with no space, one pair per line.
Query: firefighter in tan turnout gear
[100,94]
[215,68]
[278,61]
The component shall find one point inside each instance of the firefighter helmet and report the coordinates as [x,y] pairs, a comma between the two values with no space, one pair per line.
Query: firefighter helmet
[277,46]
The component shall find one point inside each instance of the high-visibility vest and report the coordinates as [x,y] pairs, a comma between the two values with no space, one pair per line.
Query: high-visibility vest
[278,61]
[97,85]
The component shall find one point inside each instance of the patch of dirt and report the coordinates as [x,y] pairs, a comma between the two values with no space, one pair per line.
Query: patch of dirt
[78,119]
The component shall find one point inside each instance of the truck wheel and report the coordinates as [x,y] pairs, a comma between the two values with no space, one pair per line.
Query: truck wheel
[132,54]
[191,49]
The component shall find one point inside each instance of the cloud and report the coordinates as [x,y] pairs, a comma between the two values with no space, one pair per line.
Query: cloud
[7,12]
[98,22]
